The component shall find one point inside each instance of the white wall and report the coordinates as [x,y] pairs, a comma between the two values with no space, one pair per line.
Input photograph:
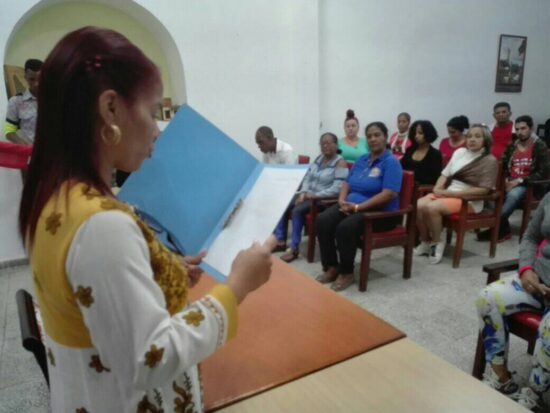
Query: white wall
[290,64]
[249,63]
[432,58]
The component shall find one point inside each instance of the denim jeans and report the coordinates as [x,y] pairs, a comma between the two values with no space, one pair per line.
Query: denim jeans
[512,200]
[298,213]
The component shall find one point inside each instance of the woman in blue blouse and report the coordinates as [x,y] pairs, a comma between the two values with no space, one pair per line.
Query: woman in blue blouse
[372,185]
[323,179]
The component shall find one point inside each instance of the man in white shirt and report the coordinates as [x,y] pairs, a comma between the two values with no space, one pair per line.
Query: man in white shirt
[275,150]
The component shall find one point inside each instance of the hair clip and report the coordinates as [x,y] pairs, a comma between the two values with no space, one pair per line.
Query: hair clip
[94,64]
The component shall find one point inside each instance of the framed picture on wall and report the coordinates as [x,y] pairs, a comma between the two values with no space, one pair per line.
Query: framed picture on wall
[15,80]
[510,63]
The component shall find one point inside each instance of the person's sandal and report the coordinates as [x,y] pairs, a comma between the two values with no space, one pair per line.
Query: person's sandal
[342,282]
[290,255]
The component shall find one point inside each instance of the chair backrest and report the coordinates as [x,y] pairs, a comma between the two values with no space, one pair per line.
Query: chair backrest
[303,159]
[30,331]
[14,156]
[406,196]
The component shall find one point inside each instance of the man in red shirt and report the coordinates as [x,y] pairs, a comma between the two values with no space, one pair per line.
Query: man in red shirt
[503,128]
[525,160]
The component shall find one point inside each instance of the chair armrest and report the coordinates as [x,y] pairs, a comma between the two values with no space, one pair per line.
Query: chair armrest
[389,214]
[494,270]
[537,182]
[422,190]
[487,197]
[324,200]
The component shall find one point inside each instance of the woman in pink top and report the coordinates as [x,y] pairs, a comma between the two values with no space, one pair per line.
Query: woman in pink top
[456,127]
[399,142]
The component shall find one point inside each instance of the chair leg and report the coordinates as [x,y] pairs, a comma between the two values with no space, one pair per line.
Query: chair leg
[479,359]
[494,240]
[458,247]
[531,346]
[449,235]
[311,242]
[407,261]
[365,266]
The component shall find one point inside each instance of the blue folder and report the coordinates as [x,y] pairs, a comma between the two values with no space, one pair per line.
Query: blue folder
[192,183]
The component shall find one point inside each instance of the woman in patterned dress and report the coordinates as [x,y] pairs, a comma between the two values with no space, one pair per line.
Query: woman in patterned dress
[120,334]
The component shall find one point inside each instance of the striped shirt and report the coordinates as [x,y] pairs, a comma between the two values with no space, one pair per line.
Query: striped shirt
[324,180]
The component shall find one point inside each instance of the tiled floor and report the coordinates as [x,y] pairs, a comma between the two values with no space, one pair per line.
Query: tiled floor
[435,308]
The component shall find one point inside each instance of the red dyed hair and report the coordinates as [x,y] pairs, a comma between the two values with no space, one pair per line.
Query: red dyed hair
[81,66]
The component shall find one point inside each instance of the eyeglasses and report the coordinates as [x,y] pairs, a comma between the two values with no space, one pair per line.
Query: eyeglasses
[163,234]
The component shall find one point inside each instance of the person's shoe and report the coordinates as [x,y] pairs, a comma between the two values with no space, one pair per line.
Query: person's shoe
[281,247]
[290,255]
[530,400]
[422,249]
[510,388]
[436,252]
[484,235]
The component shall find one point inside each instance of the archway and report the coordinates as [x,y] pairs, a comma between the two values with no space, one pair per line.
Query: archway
[44,24]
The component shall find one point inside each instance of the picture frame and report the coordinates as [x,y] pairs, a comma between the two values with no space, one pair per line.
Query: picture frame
[166,109]
[14,77]
[510,63]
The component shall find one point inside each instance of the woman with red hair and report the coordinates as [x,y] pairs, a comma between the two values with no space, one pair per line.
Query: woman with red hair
[120,334]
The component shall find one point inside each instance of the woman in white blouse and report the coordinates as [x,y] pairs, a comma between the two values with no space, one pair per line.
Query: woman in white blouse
[471,171]
[119,332]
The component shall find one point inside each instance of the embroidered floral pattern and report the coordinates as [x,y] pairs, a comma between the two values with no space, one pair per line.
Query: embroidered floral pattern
[53,222]
[97,365]
[51,357]
[194,318]
[153,356]
[84,296]
[145,406]
[184,403]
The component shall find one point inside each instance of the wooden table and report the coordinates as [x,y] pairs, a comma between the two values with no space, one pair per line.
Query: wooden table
[397,377]
[291,327]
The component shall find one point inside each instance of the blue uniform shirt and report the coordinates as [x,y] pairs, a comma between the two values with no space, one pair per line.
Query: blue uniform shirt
[367,179]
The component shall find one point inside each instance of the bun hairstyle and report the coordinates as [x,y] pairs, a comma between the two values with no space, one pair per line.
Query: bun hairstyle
[460,123]
[350,115]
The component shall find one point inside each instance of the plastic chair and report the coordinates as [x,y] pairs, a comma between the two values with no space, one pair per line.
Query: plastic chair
[14,156]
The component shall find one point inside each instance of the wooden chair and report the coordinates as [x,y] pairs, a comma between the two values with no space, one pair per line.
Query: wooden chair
[303,159]
[464,221]
[30,330]
[402,235]
[524,324]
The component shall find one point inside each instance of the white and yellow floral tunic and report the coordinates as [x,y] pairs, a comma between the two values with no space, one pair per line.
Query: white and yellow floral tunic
[120,336]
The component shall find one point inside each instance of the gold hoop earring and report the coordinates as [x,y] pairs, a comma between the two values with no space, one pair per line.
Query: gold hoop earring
[114,132]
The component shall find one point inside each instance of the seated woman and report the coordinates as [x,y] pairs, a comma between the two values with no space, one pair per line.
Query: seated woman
[455,127]
[399,141]
[352,147]
[422,158]
[372,185]
[324,179]
[471,171]
[527,291]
